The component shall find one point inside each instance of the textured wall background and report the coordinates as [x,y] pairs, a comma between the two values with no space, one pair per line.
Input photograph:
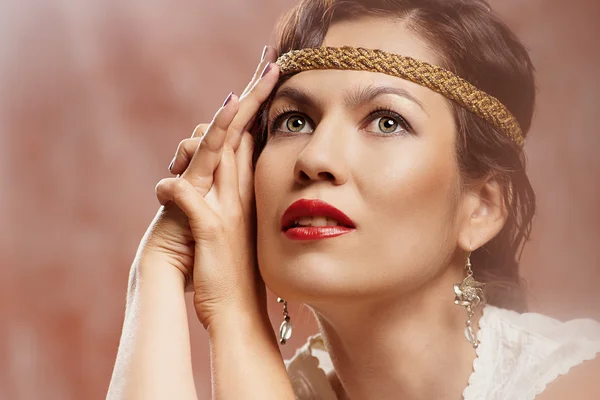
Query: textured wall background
[95,96]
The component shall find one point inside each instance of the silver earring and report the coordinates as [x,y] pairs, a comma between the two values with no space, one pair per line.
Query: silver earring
[469,294]
[285,330]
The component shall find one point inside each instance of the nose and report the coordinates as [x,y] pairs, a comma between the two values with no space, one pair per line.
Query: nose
[323,158]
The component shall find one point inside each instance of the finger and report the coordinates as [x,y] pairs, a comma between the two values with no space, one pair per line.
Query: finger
[251,102]
[226,181]
[185,151]
[204,222]
[174,190]
[269,54]
[245,171]
[208,155]
[200,130]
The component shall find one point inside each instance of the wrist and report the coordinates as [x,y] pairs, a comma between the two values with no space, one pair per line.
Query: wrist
[239,321]
[154,270]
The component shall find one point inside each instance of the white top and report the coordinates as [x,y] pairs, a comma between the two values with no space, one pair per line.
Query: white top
[518,356]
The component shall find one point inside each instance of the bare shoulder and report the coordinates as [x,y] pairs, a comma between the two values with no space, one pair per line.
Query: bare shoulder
[581,383]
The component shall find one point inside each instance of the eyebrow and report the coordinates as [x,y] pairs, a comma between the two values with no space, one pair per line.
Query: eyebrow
[352,99]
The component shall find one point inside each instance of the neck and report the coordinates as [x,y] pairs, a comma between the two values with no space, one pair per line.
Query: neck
[409,347]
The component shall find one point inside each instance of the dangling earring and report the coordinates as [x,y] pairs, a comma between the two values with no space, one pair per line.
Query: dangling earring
[470,295]
[285,330]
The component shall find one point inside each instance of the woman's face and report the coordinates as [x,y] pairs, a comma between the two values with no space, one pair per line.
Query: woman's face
[376,147]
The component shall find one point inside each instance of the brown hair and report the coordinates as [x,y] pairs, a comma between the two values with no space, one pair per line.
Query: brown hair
[476,45]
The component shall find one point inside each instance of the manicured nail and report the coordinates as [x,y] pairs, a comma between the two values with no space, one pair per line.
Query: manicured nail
[171,165]
[227,99]
[266,70]
[269,54]
[264,53]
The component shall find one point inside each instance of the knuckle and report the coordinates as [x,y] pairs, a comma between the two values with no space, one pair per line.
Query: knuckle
[160,186]
[212,228]
[188,146]
[238,124]
[205,146]
[234,209]
[180,187]
[234,213]
[253,100]
[200,130]
[180,147]
[221,121]
[228,151]
[235,127]
[250,92]
[237,215]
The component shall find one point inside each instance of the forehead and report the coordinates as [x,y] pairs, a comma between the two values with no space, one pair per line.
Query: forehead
[391,35]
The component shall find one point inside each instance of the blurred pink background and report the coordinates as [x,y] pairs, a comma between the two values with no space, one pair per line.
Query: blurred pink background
[96,95]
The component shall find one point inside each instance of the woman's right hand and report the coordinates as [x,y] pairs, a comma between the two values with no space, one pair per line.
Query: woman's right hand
[203,233]
[170,237]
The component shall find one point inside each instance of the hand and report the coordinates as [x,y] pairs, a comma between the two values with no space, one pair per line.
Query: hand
[205,228]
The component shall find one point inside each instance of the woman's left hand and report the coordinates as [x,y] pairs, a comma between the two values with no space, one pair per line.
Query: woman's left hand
[225,274]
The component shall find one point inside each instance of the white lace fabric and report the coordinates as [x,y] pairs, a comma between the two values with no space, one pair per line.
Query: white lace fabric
[519,355]
[308,371]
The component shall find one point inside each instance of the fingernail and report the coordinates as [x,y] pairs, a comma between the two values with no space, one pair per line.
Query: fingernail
[269,53]
[266,70]
[227,99]
[264,53]
[171,165]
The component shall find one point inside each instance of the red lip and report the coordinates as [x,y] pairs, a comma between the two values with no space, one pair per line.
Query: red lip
[314,208]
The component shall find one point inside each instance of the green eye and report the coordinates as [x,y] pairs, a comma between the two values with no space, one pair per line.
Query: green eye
[388,125]
[385,122]
[295,123]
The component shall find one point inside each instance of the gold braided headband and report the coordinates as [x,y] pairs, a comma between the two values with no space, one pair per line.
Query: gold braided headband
[433,77]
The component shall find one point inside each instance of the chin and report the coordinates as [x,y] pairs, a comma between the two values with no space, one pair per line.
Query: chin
[313,277]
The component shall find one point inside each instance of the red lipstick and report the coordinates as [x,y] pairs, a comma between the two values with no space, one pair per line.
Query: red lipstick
[304,208]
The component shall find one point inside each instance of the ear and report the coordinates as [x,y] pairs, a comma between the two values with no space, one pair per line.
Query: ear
[483,213]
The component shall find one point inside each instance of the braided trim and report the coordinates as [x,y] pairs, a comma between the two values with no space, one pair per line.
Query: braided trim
[431,76]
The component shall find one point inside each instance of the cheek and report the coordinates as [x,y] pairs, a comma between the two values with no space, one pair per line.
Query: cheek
[267,185]
[418,179]
[273,181]
[413,203]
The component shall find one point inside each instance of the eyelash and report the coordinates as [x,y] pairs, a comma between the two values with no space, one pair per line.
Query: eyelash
[279,114]
[377,112]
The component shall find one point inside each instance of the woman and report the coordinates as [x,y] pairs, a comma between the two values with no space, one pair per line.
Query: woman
[389,189]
